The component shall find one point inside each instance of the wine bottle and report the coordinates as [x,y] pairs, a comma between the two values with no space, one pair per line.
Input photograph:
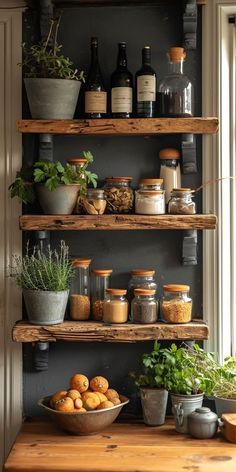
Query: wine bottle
[146,87]
[95,93]
[121,86]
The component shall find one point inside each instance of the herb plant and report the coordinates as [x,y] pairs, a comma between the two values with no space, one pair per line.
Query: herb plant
[48,270]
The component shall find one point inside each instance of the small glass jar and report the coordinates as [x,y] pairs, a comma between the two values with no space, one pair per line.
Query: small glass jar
[144,306]
[141,278]
[79,291]
[119,194]
[150,202]
[150,184]
[78,163]
[176,304]
[170,170]
[181,202]
[115,307]
[94,203]
[100,280]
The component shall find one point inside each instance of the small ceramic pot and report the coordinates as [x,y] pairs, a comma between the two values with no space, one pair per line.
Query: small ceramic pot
[202,423]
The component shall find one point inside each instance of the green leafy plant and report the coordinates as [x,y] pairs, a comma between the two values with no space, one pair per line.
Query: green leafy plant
[48,270]
[51,174]
[44,60]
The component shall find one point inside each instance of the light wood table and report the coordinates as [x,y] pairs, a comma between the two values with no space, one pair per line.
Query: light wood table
[40,446]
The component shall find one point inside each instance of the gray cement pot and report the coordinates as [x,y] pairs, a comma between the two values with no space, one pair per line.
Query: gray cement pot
[225,405]
[154,402]
[60,201]
[52,99]
[182,406]
[44,307]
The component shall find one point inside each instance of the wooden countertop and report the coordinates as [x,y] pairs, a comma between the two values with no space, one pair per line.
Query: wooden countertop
[40,446]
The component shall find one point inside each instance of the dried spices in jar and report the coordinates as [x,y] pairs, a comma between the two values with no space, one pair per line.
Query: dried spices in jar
[94,203]
[115,308]
[149,202]
[79,292]
[176,305]
[144,306]
[99,283]
[119,194]
[181,202]
[150,184]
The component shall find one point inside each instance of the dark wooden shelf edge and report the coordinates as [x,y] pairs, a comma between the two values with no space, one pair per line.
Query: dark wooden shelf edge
[89,331]
[71,3]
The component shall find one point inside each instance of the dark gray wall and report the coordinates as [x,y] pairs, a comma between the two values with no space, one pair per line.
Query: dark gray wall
[161,27]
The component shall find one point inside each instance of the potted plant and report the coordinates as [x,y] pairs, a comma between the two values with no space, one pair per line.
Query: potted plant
[44,277]
[52,84]
[56,186]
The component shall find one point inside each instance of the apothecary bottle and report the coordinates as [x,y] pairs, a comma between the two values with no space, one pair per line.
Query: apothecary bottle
[150,202]
[100,280]
[121,86]
[119,194]
[95,93]
[170,170]
[141,278]
[176,304]
[78,163]
[181,202]
[176,94]
[150,184]
[94,202]
[115,307]
[80,290]
[146,87]
[144,306]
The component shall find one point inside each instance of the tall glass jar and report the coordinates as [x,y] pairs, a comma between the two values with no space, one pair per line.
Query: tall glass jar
[176,304]
[144,306]
[181,202]
[94,202]
[119,194]
[79,291]
[78,163]
[176,93]
[100,280]
[141,278]
[115,307]
[150,184]
[170,170]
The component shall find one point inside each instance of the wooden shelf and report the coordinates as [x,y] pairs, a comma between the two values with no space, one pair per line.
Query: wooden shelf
[89,331]
[71,3]
[121,127]
[116,222]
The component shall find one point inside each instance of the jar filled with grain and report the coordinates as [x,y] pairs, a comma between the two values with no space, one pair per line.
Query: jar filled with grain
[100,280]
[150,184]
[115,307]
[176,304]
[149,202]
[141,278]
[80,288]
[94,203]
[170,170]
[78,164]
[119,194]
[181,202]
[144,307]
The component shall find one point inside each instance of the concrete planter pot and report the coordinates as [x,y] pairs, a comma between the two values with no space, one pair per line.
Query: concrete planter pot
[60,201]
[45,307]
[154,403]
[52,99]
[182,406]
[225,405]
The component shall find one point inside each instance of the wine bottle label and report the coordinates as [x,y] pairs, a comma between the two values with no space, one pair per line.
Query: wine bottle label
[95,102]
[146,88]
[121,99]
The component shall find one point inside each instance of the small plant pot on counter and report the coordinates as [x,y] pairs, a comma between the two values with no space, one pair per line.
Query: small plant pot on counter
[60,201]
[225,405]
[182,406]
[154,403]
[45,307]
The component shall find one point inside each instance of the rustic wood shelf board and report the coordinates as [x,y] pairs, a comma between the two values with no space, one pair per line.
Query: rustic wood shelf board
[88,331]
[116,222]
[41,446]
[68,3]
[122,127]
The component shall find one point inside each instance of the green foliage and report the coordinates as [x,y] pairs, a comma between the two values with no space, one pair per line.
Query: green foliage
[44,60]
[51,174]
[48,270]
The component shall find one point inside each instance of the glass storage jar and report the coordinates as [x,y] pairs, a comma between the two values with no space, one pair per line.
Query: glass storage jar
[150,184]
[115,307]
[100,280]
[119,194]
[94,203]
[176,304]
[141,278]
[170,170]
[78,163]
[181,202]
[79,291]
[176,93]
[149,202]
[144,306]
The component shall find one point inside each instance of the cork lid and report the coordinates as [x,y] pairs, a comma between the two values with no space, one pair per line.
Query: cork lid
[151,192]
[176,54]
[79,262]
[169,153]
[143,272]
[102,272]
[116,291]
[118,179]
[77,161]
[150,181]
[182,190]
[144,291]
[176,288]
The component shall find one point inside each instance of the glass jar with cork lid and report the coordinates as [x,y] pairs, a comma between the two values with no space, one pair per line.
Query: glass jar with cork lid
[119,194]
[144,306]
[176,304]
[141,278]
[150,184]
[78,163]
[181,202]
[150,202]
[115,307]
[100,280]
[94,202]
[80,290]
[170,170]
